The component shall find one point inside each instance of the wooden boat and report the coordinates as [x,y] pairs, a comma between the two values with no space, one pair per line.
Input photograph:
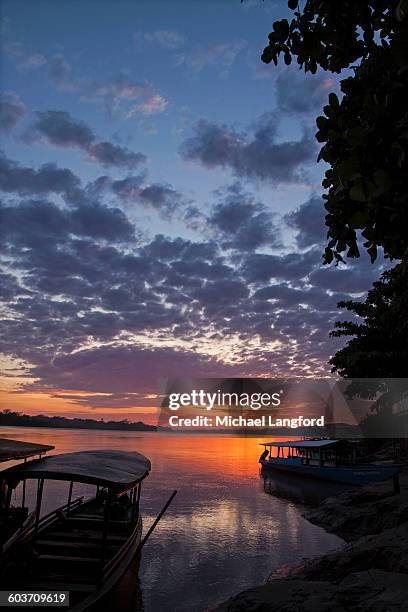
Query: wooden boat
[333,460]
[12,519]
[83,547]
[11,450]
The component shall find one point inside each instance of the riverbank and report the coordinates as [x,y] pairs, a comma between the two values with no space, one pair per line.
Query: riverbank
[368,574]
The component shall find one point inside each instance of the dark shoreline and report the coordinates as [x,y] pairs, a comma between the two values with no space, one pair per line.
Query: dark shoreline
[369,573]
[14,419]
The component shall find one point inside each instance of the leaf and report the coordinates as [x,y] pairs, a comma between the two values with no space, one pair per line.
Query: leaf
[353,251]
[288,58]
[382,179]
[328,255]
[348,168]
[333,100]
[402,10]
[284,28]
[321,122]
[357,193]
[292,4]
[267,55]
[329,111]
[356,136]
[359,219]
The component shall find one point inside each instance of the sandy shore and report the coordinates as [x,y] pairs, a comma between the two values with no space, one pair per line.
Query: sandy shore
[370,573]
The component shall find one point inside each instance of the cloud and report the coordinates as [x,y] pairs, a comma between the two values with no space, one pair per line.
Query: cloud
[288,297]
[23,59]
[259,156]
[60,73]
[220,56]
[9,287]
[84,288]
[99,221]
[153,104]
[297,93]
[11,111]
[92,369]
[123,94]
[354,277]
[160,197]
[164,248]
[309,222]
[215,294]
[61,129]
[262,267]
[134,189]
[167,249]
[127,189]
[31,62]
[48,178]
[109,154]
[167,39]
[242,222]
[119,94]
[32,222]
[89,300]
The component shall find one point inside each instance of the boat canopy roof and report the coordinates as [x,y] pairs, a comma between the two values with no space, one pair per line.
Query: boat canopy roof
[116,470]
[15,449]
[302,443]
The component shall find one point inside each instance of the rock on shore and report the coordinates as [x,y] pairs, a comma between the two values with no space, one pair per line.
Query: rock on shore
[363,511]
[369,574]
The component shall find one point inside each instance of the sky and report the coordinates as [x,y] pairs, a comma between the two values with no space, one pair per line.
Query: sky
[161,209]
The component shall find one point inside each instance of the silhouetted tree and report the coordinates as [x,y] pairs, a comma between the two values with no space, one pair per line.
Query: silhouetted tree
[365,134]
[379,344]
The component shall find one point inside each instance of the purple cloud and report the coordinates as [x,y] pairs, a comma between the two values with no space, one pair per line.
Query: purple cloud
[11,111]
[259,156]
[61,129]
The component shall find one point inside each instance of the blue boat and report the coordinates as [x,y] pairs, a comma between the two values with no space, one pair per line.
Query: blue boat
[333,460]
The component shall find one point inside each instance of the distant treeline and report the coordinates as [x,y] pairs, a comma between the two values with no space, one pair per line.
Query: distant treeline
[10,418]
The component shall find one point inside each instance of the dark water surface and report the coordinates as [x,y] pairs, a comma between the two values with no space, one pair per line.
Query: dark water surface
[228,526]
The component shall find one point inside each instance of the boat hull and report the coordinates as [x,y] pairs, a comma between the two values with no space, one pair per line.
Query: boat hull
[121,590]
[356,475]
[90,590]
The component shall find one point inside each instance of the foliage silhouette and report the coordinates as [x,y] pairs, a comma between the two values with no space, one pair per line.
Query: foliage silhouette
[364,135]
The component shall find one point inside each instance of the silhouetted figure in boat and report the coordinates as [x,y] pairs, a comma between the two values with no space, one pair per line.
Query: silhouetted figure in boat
[264,455]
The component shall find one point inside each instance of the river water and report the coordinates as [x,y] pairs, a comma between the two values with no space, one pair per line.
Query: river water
[227,527]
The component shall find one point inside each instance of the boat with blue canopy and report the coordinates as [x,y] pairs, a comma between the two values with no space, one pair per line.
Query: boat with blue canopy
[334,460]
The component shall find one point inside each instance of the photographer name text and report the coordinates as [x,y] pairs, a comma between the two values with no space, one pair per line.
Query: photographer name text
[243,422]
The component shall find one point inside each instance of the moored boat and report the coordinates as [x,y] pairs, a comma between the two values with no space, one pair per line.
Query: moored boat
[84,547]
[333,460]
[12,519]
